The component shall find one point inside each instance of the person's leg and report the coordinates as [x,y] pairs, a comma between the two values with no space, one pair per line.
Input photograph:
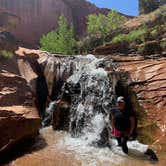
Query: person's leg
[123,141]
[118,140]
[117,135]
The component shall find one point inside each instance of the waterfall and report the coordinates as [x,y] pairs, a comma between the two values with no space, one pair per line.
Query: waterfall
[92,95]
[90,108]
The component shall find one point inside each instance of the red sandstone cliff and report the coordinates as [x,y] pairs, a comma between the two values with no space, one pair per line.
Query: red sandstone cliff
[37,17]
[19,117]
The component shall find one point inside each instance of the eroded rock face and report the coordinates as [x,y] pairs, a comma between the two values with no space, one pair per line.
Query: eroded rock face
[148,80]
[19,117]
[37,17]
[120,47]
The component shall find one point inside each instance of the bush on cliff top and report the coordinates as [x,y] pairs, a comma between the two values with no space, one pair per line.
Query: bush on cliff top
[61,41]
[99,27]
[102,25]
[4,54]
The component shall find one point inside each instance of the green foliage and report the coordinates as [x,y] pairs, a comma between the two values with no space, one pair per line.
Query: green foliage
[61,41]
[163,44]
[154,33]
[4,54]
[137,35]
[97,25]
[119,38]
[87,44]
[48,42]
[134,36]
[115,20]
[101,25]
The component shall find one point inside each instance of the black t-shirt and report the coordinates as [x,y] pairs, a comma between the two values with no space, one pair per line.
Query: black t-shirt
[121,119]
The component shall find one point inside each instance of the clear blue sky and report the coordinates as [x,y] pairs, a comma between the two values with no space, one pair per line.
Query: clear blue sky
[129,7]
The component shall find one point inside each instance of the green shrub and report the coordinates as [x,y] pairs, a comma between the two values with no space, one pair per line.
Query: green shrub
[4,54]
[154,33]
[102,25]
[119,38]
[87,44]
[137,36]
[61,41]
[163,44]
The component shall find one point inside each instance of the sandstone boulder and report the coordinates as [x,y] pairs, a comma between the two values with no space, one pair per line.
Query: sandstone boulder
[19,117]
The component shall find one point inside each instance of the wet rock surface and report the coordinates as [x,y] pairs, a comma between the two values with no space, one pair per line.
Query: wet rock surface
[61,116]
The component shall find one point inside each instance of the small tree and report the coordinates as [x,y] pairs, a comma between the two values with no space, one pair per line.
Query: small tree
[61,41]
[102,25]
[97,25]
[115,20]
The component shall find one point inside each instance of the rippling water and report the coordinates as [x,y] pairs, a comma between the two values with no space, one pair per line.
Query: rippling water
[62,150]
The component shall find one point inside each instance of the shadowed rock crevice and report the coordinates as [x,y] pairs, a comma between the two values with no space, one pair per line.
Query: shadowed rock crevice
[42,93]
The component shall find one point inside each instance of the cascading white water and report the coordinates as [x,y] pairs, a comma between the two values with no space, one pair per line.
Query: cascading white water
[90,108]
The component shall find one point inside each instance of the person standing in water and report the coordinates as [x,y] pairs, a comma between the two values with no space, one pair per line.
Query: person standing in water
[123,123]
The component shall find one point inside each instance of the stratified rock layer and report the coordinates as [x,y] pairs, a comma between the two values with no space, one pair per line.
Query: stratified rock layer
[19,117]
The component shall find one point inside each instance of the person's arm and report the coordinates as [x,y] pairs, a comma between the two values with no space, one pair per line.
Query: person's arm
[132,126]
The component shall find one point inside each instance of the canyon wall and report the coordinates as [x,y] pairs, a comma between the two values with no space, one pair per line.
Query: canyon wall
[37,17]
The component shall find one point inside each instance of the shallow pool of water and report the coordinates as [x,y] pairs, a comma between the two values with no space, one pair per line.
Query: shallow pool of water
[62,150]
